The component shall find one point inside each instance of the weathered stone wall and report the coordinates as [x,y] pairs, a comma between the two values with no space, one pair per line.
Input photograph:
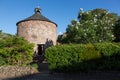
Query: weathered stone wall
[36,31]
[15,71]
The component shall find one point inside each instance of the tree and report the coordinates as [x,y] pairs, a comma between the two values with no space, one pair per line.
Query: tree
[0,31]
[117,30]
[91,27]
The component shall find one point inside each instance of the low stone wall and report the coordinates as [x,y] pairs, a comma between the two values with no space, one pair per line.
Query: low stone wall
[15,71]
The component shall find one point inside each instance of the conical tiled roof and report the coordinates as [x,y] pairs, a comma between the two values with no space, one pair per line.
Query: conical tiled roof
[36,16]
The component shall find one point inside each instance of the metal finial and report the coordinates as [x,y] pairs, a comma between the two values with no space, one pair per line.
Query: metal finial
[37,10]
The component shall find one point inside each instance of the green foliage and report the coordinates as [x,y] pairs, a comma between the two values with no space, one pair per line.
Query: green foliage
[84,57]
[108,49]
[111,54]
[15,51]
[4,35]
[117,30]
[91,27]
[35,65]
[2,61]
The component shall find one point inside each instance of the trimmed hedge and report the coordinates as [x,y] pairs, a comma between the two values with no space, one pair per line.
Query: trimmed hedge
[84,57]
[15,50]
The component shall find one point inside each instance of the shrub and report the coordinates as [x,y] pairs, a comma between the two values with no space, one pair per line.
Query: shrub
[117,30]
[92,26]
[15,51]
[111,54]
[84,57]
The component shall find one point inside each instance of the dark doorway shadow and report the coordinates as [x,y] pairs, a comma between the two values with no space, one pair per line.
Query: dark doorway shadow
[41,49]
[39,58]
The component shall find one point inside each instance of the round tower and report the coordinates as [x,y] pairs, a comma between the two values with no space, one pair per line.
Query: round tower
[39,30]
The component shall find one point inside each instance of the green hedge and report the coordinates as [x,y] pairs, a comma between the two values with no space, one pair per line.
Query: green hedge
[15,51]
[84,57]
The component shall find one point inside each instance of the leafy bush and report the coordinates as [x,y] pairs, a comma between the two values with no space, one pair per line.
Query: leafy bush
[111,55]
[92,26]
[15,51]
[108,49]
[117,30]
[84,57]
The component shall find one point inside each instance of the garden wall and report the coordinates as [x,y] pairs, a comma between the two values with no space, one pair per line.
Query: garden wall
[15,71]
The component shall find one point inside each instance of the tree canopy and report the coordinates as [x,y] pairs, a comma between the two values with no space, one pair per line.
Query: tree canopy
[117,30]
[91,27]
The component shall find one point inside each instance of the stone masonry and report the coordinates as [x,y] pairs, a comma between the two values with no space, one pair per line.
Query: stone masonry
[38,29]
[37,32]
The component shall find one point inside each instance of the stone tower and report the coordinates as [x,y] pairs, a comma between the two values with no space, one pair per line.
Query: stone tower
[39,30]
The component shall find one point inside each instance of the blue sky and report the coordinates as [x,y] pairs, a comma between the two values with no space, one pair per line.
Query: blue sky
[59,11]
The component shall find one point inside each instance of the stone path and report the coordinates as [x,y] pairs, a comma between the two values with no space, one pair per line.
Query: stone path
[60,76]
[46,75]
